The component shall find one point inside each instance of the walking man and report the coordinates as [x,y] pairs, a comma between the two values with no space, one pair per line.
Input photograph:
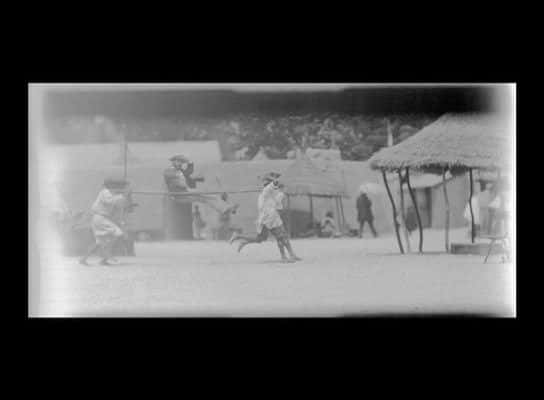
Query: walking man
[269,220]
[364,212]
[104,224]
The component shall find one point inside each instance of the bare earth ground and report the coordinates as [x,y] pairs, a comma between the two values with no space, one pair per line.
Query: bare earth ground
[336,277]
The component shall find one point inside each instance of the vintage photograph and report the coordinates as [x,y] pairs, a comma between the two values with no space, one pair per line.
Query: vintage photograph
[272,200]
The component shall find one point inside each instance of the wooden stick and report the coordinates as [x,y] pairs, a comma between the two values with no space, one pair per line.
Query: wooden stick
[403,215]
[414,202]
[395,224]
[446,200]
[472,233]
[148,192]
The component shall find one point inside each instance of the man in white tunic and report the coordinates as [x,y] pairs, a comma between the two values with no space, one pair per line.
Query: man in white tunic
[269,220]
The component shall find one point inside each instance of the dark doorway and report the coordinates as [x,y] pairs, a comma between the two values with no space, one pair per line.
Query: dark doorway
[178,221]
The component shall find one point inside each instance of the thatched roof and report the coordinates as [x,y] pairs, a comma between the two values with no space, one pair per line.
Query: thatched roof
[303,177]
[455,141]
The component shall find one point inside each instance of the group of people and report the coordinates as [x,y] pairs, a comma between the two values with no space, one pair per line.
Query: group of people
[491,210]
[115,196]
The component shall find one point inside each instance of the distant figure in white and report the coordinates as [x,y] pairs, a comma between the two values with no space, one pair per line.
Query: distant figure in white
[328,226]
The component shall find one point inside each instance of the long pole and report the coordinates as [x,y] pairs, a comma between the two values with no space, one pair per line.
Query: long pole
[311,211]
[151,193]
[125,148]
[403,215]
[342,214]
[446,200]
[338,215]
[472,233]
[414,202]
[395,224]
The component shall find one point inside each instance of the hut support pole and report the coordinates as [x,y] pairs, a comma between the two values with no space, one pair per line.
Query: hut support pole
[338,214]
[472,233]
[395,224]
[403,215]
[414,202]
[342,214]
[311,211]
[447,202]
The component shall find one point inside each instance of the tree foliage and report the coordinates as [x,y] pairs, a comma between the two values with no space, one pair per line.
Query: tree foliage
[356,136]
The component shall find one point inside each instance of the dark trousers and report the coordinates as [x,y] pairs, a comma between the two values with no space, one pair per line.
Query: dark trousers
[370,223]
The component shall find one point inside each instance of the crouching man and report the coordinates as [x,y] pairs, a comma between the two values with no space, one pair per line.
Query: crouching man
[105,227]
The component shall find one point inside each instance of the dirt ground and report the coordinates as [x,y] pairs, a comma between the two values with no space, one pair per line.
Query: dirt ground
[365,277]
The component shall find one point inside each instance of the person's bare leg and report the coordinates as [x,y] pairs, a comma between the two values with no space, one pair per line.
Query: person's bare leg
[242,244]
[92,249]
[281,247]
[106,253]
[371,224]
[287,244]
[247,240]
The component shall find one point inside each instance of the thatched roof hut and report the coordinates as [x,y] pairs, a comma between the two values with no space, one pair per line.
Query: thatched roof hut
[303,177]
[454,141]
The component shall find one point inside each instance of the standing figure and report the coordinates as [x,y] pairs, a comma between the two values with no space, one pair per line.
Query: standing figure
[364,213]
[178,177]
[105,227]
[198,223]
[269,220]
[484,200]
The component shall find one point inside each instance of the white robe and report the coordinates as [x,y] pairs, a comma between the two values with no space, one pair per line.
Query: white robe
[268,204]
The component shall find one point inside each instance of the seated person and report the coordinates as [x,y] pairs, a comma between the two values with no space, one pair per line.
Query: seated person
[328,226]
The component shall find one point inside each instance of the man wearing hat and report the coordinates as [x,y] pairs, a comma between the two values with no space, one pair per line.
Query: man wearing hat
[178,177]
[364,211]
[269,220]
[111,199]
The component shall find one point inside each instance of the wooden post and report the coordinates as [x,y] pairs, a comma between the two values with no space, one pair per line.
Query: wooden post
[338,215]
[342,214]
[395,224]
[472,233]
[311,210]
[125,154]
[414,202]
[403,215]
[446,200]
